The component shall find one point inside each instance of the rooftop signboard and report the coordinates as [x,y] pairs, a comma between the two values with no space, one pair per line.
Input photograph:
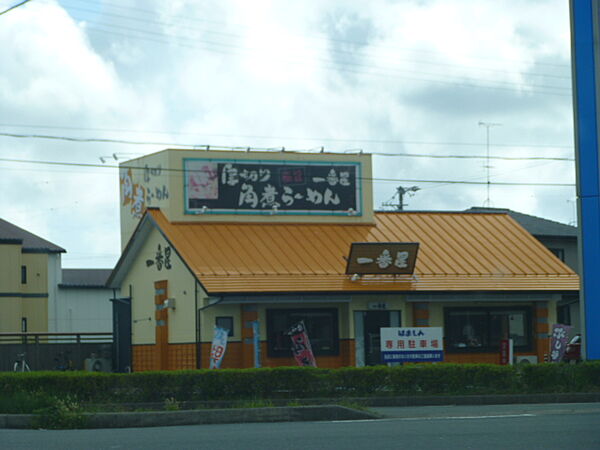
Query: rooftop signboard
[233,186]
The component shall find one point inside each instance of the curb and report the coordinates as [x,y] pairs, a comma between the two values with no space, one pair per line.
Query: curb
[205,417]
[487,399]
[311,413]
[406,400]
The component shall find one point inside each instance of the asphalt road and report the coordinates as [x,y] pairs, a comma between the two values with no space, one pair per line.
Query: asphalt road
[548,426]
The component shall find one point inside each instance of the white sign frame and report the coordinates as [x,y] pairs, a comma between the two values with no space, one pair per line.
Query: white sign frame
[412,344]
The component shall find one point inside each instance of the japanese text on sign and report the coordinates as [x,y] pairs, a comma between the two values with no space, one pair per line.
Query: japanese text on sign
[382,258]
[223,186]
[162,258]
[301,348]
[412,344]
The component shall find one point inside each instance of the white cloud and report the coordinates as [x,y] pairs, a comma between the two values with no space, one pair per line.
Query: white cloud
[339,74]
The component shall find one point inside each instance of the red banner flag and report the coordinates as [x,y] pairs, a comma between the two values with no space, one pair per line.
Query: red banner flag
[301,348]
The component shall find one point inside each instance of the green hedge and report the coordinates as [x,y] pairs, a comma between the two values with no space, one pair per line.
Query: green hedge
[305,382]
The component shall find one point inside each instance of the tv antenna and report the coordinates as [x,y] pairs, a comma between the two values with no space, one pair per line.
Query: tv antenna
[487,126]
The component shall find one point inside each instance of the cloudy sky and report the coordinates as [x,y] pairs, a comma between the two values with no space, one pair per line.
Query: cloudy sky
[417,83]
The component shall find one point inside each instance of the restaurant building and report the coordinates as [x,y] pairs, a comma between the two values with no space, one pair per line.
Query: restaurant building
[255,242]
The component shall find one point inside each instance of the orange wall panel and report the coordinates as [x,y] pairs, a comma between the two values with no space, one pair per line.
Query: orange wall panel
[144,357]
[182,356]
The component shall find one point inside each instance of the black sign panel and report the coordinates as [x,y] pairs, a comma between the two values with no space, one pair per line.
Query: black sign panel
[392,258]
[259,187]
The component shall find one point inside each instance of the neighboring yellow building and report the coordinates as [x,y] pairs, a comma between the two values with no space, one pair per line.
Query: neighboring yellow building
[225,246]
[29,276]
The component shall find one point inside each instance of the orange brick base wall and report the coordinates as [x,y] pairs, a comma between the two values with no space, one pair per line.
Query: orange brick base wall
[183,357]
[180,357]
[476,358]
[234,356]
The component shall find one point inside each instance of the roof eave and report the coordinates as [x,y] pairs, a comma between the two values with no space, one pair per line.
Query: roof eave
[140,234]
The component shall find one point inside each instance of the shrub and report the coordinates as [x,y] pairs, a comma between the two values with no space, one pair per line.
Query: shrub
[63,413]
[295,383]
[24,402]
[539,378]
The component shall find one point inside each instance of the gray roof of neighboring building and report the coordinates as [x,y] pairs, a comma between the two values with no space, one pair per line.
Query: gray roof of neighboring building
[85,278]
[535,225]
[12,234]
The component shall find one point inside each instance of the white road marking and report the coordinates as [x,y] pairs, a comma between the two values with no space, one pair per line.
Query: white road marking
[357,420]
[384,419]
[500,416]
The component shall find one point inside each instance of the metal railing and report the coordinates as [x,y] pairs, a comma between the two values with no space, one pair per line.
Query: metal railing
[54,351]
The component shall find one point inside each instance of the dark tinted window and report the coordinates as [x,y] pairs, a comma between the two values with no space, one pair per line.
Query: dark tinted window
[321,326]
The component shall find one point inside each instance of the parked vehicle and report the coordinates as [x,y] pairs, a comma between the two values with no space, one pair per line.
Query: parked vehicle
[573,349]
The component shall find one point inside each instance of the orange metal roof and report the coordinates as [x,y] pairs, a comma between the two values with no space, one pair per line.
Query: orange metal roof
[458,252]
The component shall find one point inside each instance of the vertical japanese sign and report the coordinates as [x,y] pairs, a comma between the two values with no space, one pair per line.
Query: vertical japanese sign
[219,345]
[558,341]
[301,348]
[420,344]
[161,258]
[222,186]
[142,187]
[506,352]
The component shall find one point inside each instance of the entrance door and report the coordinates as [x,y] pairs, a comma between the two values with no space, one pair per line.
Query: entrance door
[373,321]
[367,334]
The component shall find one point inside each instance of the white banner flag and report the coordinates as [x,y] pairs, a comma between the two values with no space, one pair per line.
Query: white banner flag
[219,345]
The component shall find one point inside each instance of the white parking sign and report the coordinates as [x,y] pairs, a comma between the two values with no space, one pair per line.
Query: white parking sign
[418,344]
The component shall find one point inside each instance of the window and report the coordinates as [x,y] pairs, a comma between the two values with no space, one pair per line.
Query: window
[482,329]
[23,324]
[225,322]
[23,274]
[321,326]
[559,253]
[563,314]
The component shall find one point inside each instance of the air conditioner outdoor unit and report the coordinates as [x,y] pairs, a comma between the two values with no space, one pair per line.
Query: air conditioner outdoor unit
[97,365]
[527,359]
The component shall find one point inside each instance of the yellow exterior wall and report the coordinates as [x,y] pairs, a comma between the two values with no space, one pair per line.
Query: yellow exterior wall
[207,322]
[18,306]
[436,313]
[37,273]
[36,312]
[181,286]
[552,313]
[395,302]
[10,268]
[10,318]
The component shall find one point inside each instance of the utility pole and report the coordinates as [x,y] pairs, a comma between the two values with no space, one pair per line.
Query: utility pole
[400,192]
[487,126]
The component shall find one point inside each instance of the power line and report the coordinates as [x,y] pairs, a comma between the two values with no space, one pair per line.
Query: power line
[319,36]
[334,65]
[75,139]
[378,141]
[13,7]
[337,51]
[329,64]
[177,170]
